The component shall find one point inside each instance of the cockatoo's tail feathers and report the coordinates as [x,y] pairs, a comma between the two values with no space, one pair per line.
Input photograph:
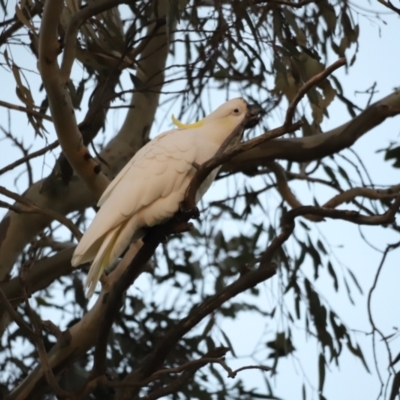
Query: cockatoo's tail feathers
[181,125]
[101,261]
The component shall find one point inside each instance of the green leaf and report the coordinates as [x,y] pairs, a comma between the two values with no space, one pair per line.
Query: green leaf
[228,342]
[321,369]
[393,154]
[330,173]
[332,273]
[358,353]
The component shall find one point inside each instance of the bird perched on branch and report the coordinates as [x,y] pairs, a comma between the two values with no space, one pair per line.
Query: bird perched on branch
[150,188]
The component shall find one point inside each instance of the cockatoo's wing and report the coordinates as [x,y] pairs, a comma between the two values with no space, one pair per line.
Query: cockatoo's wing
[146,192]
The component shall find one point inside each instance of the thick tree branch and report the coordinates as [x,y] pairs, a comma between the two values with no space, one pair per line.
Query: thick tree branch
[60,102]
[30,207]
[317,146]
[45,272]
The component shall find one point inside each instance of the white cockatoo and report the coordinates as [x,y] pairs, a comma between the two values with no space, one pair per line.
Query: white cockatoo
[150,188]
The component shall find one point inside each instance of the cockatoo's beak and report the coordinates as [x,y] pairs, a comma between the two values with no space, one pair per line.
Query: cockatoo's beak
[253,115]
[181,125]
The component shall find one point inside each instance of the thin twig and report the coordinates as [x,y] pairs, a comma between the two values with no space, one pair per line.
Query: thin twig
[307,86]
[35,154]
[375,329]
[25,110]
[37,336]
[16,317]
[389,5]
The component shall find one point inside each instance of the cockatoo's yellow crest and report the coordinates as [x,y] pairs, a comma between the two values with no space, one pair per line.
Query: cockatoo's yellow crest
[181,125]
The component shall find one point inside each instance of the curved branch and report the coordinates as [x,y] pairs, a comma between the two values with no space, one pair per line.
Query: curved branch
[60,102]
[307,86]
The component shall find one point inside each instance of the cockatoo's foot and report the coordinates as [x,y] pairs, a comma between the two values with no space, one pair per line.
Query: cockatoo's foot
[103,278]
[188,212]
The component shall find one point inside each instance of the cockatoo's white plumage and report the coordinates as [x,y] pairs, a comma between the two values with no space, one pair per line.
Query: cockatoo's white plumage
[149,189]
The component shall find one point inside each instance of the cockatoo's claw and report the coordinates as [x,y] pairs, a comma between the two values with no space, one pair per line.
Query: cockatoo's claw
[148,236]
[191,212]
[103,278]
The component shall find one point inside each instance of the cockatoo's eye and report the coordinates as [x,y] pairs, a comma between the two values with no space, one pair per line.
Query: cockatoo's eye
[236,111]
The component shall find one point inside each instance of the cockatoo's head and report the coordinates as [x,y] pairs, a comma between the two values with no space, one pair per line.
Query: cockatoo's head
[229,115]
[233,112]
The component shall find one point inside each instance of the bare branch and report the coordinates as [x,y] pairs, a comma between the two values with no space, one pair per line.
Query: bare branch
[25,110]
[287,222]
[29,157]
[351,194]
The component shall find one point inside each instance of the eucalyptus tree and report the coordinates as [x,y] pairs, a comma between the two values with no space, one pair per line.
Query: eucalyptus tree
[86,83]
